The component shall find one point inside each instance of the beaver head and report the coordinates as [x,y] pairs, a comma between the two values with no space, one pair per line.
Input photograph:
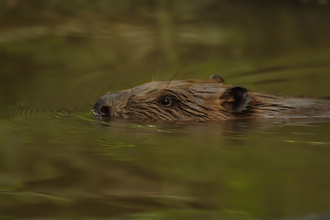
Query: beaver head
[186,100]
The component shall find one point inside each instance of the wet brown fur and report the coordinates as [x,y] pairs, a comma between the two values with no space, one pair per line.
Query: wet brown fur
[203,100]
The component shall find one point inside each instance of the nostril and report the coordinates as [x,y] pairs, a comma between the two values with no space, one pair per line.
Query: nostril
[105,110]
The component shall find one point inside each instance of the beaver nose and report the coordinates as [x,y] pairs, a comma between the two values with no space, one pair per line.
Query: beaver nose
[101,106]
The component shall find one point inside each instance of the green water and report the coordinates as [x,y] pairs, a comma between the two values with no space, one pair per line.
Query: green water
[59,162]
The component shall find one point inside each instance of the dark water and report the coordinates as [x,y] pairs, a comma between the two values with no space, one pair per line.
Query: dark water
[58,161]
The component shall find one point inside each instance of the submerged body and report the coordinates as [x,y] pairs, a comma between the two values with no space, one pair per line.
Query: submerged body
[203,100]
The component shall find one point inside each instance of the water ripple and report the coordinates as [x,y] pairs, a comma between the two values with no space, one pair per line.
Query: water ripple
[28,120]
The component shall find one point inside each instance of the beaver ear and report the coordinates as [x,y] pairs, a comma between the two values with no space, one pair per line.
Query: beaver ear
[217,78]
[237,97]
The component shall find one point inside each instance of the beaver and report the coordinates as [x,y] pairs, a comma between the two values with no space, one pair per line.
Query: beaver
[203,100]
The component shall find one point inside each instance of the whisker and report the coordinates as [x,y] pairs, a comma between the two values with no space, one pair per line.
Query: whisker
[175,75]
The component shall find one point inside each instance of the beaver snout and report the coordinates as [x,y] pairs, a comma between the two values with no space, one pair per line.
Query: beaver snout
[101,106]
[111,104]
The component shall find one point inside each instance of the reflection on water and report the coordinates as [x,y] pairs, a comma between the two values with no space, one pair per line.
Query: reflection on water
[58,161]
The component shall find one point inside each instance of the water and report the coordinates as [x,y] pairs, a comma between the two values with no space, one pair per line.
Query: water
[58,161]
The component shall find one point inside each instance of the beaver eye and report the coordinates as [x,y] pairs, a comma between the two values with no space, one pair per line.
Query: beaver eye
[105,110]
[166,101]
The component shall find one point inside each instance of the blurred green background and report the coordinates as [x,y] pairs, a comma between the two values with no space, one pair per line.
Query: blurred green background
[95,46]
